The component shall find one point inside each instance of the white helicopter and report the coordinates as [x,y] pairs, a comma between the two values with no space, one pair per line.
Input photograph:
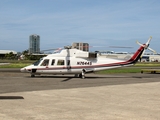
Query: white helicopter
[74,61]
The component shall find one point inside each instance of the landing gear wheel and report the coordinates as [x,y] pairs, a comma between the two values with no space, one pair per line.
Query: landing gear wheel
[80,75]
[33,72]
[83,74]
[83,77]
[32,75]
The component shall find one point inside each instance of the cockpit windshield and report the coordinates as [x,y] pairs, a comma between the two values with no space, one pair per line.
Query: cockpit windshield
[37,62]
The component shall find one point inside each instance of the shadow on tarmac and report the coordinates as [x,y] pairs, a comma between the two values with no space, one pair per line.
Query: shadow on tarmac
[10,97]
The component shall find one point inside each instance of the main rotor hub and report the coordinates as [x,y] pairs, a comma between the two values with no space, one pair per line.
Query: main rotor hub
[67,47]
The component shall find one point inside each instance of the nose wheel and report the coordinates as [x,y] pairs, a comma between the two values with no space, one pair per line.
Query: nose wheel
[32,75]
[33,72]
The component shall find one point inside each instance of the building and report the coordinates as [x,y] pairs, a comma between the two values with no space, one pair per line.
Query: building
[4,52]
[34,44]
[81,46]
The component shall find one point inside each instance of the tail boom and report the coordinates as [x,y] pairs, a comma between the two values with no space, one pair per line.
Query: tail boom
[137,55]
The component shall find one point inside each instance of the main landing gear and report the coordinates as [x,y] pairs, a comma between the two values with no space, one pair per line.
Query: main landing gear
[82,75]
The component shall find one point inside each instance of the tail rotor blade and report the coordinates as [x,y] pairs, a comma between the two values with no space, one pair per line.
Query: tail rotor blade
[149,40]
[139,43]
[152,50]
[146,46]
[143,53]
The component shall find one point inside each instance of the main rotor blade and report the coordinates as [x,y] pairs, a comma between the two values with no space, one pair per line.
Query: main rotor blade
[120,47]
[51,49]
[110,46]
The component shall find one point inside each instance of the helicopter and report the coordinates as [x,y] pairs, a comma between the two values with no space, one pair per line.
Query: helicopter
[79,63]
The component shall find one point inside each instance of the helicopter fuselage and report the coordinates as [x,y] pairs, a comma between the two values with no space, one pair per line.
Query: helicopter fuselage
[71,61]
[74,61]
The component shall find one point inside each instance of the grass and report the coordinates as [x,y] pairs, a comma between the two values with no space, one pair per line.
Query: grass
[147,64]
[120,70]
[15,63]
[133,69]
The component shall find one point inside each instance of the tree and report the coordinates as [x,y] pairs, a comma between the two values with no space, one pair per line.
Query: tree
[10,55]
[25,52]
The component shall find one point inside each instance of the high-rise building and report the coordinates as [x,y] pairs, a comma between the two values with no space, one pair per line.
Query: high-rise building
[34,43]
[81,46]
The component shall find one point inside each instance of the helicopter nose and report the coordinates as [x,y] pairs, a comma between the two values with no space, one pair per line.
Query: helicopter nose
[23,69]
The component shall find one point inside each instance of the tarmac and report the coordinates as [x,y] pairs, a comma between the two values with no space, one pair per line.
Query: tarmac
[98,97]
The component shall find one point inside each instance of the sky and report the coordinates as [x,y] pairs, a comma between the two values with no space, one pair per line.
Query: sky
[97,22]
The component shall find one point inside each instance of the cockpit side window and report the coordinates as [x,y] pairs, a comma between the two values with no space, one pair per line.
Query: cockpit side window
[37,62]
[45,62]
[60,62]
[53,61]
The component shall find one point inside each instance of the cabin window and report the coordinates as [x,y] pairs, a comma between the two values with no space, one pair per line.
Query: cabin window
[45,62]
[53,61]
[60,62]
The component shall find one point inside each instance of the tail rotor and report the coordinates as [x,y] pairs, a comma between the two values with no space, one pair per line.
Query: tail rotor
[146,46]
